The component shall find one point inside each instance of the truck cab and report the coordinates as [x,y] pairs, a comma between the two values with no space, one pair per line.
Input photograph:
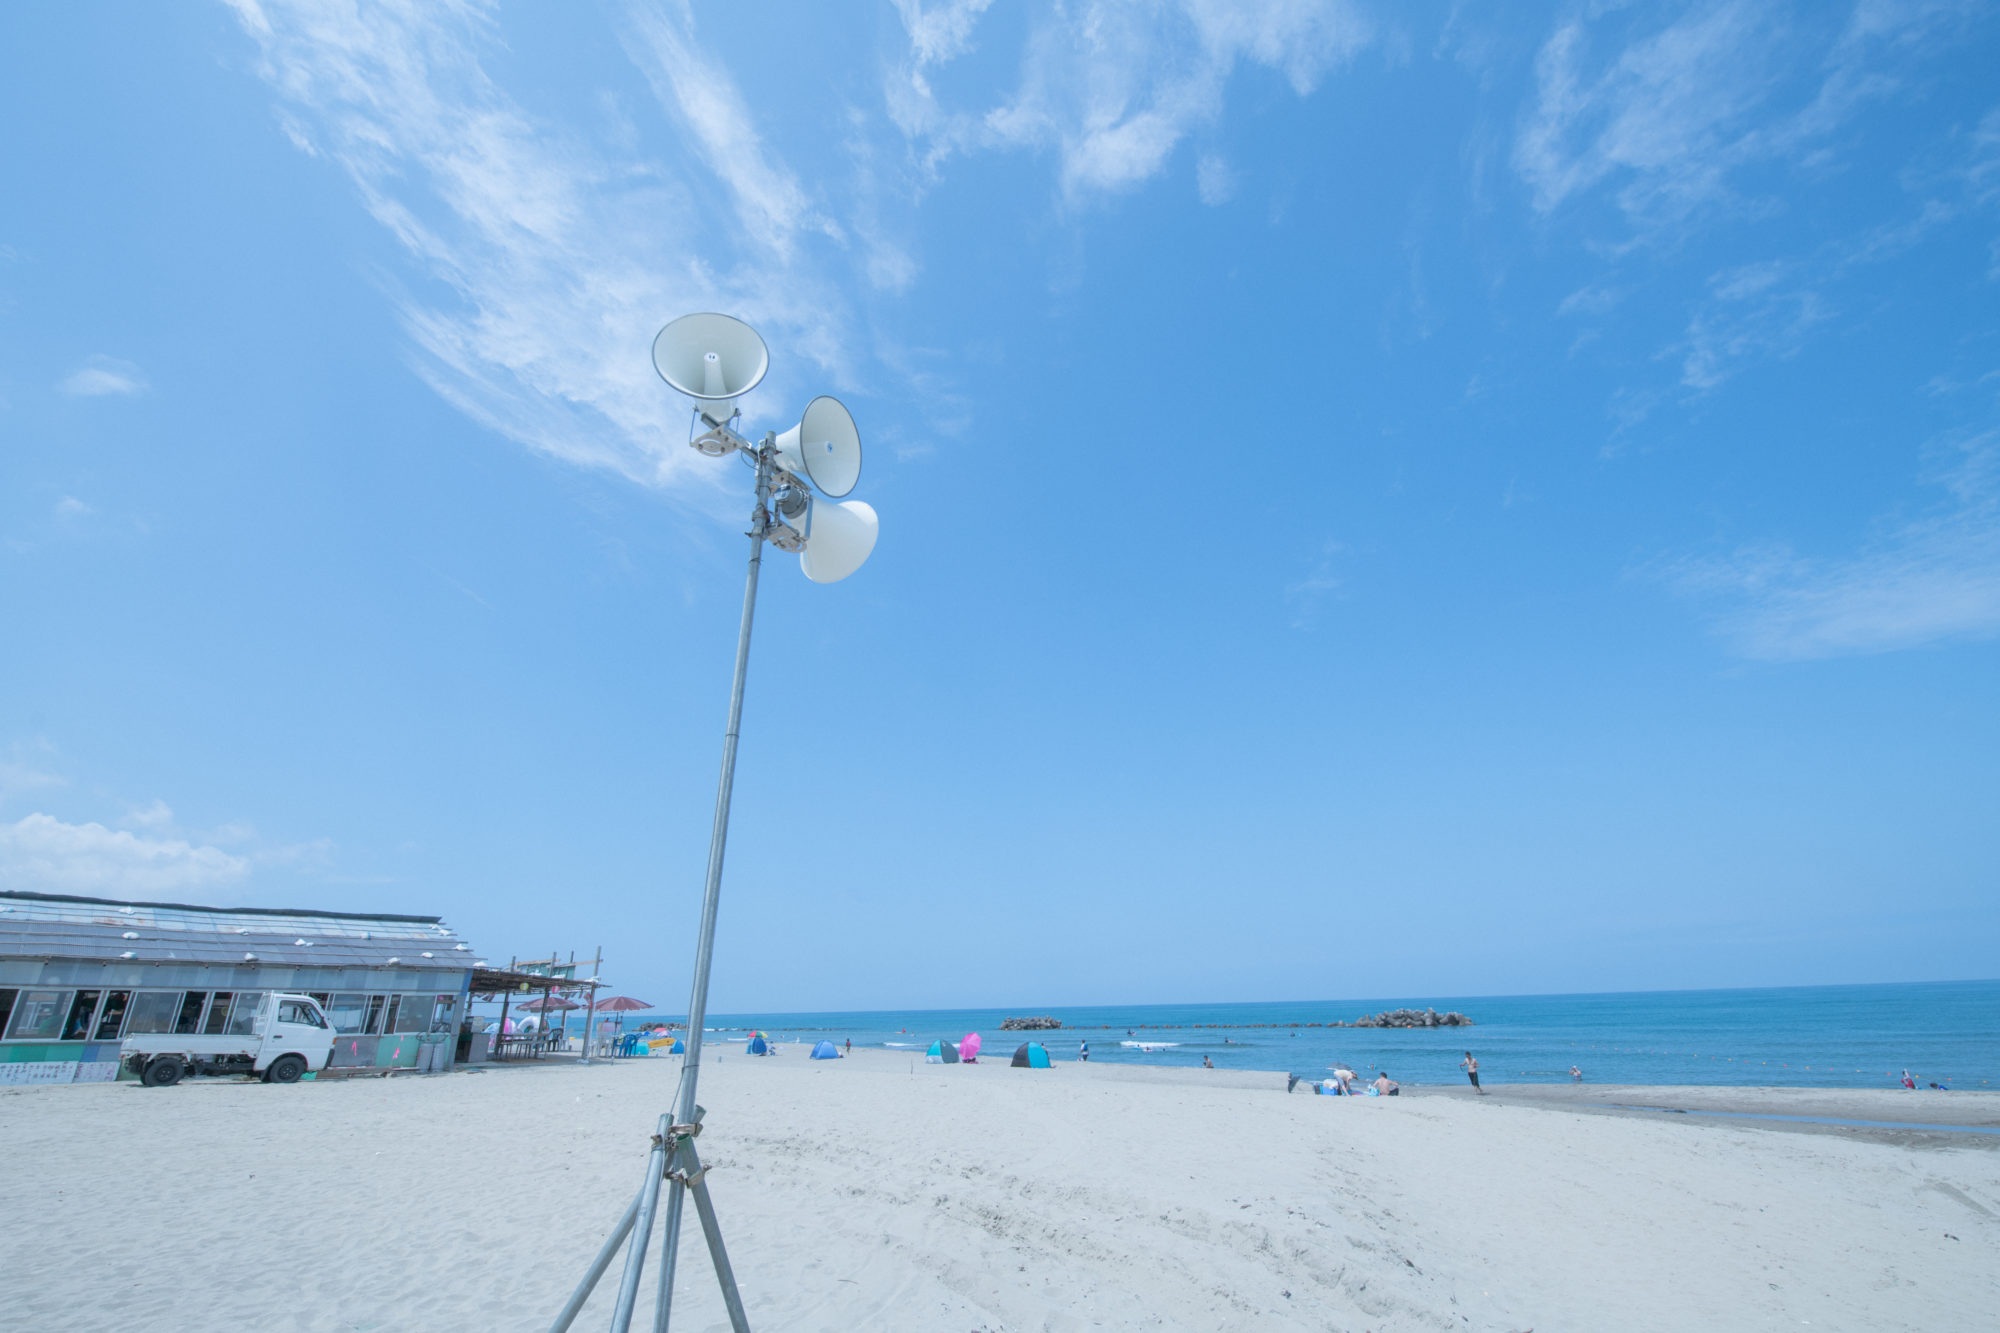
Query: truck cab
[281,1038]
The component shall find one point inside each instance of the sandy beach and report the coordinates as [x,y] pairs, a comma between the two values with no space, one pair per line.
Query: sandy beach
[878,1192]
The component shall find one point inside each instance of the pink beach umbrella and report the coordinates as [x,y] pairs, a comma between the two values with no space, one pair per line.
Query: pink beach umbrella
[968,1050]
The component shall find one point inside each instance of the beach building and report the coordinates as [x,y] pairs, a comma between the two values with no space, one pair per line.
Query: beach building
[77,975]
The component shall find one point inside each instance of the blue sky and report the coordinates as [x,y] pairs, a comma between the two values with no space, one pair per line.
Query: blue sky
[1376,499]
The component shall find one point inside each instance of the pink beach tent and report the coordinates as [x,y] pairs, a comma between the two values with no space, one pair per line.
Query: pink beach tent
[968,1050]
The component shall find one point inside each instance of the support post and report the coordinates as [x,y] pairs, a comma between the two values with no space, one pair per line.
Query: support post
[642,1227]
[719,835]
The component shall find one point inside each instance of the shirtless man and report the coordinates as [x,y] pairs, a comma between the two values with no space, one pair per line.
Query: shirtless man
[1470,1065]
[1385,1086]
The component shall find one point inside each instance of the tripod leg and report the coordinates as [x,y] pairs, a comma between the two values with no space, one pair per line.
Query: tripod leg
[597,1267]
[635,1256]
[723,1274]
[670,1244]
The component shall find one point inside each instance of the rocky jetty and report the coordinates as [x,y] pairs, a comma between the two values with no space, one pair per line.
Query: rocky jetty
[1412,1018]
[1042,1024]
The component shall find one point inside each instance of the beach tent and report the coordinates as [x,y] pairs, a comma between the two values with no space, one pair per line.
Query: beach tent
[758,1046]
[941,1053]
[826,1050]
[1032,1055]
[677,1048]
[968,1050]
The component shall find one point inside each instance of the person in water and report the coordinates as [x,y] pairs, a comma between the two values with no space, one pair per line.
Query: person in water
[1575,1074]
[1207,1063]
[1470,1065]
[1083,1051]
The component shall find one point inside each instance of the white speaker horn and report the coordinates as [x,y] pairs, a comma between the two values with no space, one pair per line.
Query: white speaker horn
[824,447]
[839,538]
[711,357]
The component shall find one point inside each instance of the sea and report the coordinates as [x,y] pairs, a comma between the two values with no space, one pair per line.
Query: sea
[1805,1036]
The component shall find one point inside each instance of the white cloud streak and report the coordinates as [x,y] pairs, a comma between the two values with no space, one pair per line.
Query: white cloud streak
[1113,89]
[1671,117]
[562,259]
[104,377]
[1922,580]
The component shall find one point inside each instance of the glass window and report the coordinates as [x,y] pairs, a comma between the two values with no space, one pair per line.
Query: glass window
[244,1013]
[348,1012]
[6,1006]
[218,1014]
[153,1011]
[415,1014]
[39,1013]
[298,1011]
[320,997]
[442,1016]
[188,1021]
[375,1003]
[81,1010]
[395,1008]
[113,1016]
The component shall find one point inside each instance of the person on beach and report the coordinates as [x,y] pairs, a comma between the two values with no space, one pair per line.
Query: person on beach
[1908,1082]
[1471,1067]
[1384,1085]
[850,1045]
[1345,1078]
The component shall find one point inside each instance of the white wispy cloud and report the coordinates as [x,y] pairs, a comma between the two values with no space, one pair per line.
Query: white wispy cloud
[1755,310]
[104,376]
[1306,595]
[940,32]
[563,256]
[1917,580]
[1668,119]
[1113,89]
[40,852]
[1214,180]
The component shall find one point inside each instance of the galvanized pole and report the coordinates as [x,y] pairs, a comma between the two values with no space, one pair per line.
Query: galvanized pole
[718,839]
[590,1013]
[642,1227]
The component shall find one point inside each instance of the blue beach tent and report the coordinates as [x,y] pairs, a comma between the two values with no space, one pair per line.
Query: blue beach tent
[941,1053]
[826,1050]
[1032,1055]
[757,1045]
[677,1048]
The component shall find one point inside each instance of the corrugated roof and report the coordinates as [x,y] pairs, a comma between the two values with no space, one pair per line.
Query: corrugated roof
[40,925]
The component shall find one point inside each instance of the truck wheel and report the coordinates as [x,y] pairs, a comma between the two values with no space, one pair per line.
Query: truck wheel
[286,1069]
[162,1071]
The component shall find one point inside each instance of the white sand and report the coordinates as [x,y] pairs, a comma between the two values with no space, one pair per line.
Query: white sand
[881,1193]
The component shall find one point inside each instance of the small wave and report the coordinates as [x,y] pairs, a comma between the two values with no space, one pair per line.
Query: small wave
[1150,1045]
[903,1045]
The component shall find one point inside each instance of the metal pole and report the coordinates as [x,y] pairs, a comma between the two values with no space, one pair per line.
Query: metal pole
[719,837]
[597,1267]
[738,1321]
[688,1113]
[670,1244]
[590,1013]
[635,1255]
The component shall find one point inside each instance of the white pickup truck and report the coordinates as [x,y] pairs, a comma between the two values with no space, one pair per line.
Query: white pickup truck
[283,1037]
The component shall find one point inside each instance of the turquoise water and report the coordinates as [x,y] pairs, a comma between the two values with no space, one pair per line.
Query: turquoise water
[1809,1036]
